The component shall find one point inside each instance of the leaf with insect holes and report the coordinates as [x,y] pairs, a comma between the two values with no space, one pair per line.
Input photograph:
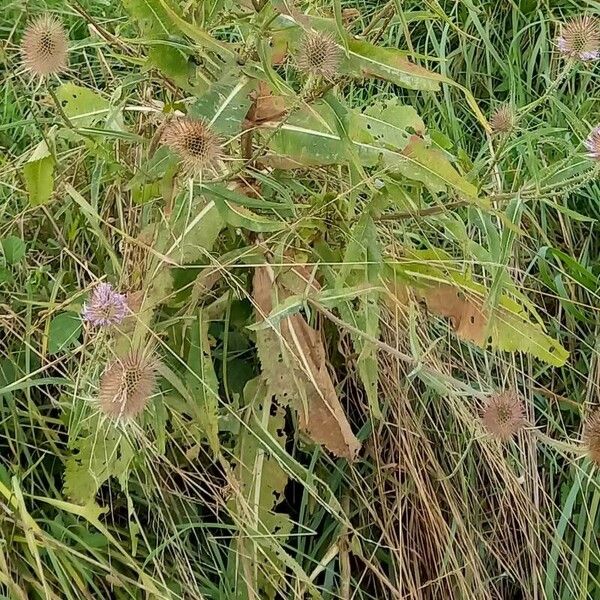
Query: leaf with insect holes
[38,173]
[362,59]
[83,106]
[384,135]
[202,381]
[369,60]
[390,123]
[261,482]
[93,459]
[294,362]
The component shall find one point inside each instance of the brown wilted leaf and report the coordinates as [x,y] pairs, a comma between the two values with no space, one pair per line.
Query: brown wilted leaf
[465,311]
[349,15]
[309,384]
[266,106]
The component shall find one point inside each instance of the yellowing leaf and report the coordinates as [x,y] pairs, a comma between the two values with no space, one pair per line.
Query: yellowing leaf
[385,135]
[505,327]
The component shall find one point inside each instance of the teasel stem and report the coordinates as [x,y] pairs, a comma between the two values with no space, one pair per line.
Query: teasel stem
[59,107]
[551,88]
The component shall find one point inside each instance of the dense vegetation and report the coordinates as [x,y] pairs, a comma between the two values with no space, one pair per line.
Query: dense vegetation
[299,300]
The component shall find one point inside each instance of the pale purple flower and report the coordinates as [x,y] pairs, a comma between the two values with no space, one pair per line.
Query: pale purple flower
[106,306]
[592,143]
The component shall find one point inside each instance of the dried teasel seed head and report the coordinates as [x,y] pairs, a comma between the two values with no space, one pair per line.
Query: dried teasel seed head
[45,46]
[194,141]
[503,415]
[592,143]
[127,385]
[319,55]
[503,119]
[580,38]
[591,437]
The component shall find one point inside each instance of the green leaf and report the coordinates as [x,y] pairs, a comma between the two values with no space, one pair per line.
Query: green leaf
[82,105]
[94,458]
[152,15]
[431,167]
[294,304]
[14,249]
[192,234]
[202,381]
[195,32]
[363,255]
[240,216]
[235,197]
[173,63]
[63,332]
[390,64]
[38,173]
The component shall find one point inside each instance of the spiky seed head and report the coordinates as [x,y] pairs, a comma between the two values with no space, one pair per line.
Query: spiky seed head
[591,437]
[580,38]
[45,46]
[126,386]
[194,141]
[503,415]
[106,306]
[592,143]
[503,119]
[319,55]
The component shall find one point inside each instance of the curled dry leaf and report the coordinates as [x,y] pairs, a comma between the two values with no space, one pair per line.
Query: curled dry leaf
[305,378]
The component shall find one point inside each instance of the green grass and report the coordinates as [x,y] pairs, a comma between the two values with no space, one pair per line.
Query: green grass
[217,490]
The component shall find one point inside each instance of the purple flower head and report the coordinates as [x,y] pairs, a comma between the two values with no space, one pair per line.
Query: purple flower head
[592,143]
[106,306]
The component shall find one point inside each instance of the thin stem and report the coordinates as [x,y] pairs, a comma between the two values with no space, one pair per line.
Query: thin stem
[59,107]
[561,76]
